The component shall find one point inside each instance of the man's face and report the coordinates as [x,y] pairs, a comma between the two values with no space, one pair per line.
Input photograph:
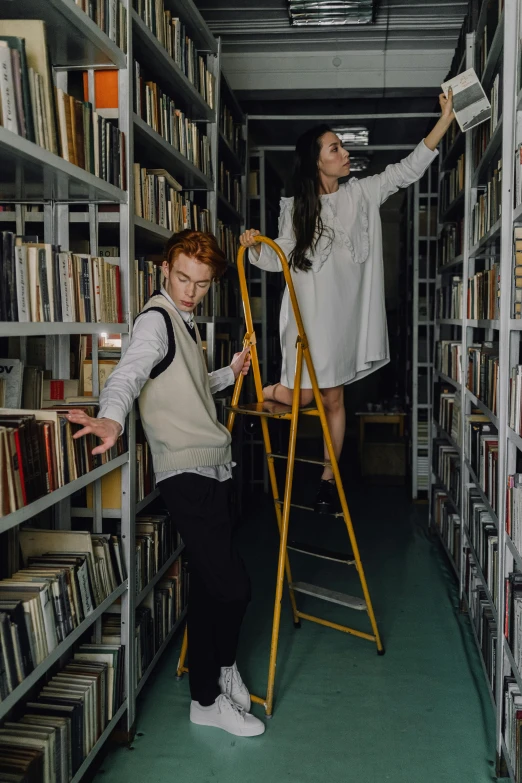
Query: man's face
[187,281]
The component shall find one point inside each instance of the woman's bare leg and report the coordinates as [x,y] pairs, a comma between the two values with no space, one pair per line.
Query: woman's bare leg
[333,401]
[280,393]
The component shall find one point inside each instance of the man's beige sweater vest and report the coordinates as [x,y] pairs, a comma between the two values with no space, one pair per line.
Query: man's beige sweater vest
[176,405]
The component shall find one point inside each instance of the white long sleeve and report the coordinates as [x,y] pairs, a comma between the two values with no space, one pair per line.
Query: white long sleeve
[401,174]
[268,259]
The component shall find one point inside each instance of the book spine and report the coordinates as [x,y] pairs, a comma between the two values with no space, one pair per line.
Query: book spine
[44,289]
[7,91]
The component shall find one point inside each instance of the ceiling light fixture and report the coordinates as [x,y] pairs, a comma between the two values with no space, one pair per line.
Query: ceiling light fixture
[329,13]
[359,163]
[354,135]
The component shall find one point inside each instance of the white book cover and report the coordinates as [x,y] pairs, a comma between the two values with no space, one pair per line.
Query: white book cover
[12,372]
[64,261]
[470,102]
[22,284]
[7,92]
[62,124]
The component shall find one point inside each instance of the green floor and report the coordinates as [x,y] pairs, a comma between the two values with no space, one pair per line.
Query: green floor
[420,713]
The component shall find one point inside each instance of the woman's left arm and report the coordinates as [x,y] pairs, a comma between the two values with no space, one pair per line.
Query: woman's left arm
[407,171]
[446,118]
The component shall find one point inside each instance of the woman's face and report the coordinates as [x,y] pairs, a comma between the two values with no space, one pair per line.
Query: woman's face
[334,160]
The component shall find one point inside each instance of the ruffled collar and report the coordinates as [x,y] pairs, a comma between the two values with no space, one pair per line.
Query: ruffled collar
[360,250]
[358,245]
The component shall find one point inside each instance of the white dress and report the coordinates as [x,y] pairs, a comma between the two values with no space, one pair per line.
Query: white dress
[342,296]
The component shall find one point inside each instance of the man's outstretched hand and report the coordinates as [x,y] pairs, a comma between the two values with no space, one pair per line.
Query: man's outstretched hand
[107,430]
[241,362]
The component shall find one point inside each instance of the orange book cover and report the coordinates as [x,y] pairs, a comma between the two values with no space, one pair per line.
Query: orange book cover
[105,89]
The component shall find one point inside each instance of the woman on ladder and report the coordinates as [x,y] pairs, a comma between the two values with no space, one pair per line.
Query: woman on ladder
[332,236]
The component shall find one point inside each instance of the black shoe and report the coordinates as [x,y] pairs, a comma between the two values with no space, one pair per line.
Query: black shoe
[325,498]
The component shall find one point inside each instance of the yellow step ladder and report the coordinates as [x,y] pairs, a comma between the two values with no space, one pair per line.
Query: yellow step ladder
[274,410]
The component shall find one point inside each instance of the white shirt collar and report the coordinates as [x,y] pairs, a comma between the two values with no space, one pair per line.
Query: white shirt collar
[187,317]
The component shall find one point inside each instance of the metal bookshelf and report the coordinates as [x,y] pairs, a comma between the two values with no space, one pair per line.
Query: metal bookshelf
[29,176]
[422,200]
[496,244]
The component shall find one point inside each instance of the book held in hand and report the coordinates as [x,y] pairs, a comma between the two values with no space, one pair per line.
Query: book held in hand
[470,103]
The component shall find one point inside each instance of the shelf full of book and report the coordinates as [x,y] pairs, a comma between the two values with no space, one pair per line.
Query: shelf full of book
[477,393]
[421,252]
[93,181]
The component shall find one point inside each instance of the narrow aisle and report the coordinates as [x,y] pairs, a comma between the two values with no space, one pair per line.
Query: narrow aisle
[420,713]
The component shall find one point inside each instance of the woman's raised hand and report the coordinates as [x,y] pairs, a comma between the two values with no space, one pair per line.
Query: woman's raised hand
[446,104]
[248,238]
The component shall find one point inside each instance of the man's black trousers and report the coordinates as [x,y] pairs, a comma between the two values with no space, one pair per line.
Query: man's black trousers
[219,585]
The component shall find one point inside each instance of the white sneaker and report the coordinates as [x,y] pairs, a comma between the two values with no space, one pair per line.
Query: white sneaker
[232,685]
[225,714]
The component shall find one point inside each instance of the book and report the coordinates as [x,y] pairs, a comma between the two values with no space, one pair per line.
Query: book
[470,102]
[12,373]
[42,283]
[38,69]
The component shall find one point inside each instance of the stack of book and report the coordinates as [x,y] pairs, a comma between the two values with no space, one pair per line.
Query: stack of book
[449,299]
[451,242]
[40,454]
[449,139]
[514,510]
[448,523]
[230,187]
[513,724]
[488,207]
[482,450]
[225,304]
[452,184]
[66,576]
[446,464]
[172,35]
[495,99]
[513,615]
[145,478]
[482,374]
[482,616]
[228,241]
[233,132]
[517,274]
[157,199]
[32,108]
[155,617]
[483,535]
[484,294]
[449,359]
[40,283]
[515,399]
[65,719]
[111,18]
[156,541]
[148,278]
[170,599]
[160,112]
[483,46]
[447,399]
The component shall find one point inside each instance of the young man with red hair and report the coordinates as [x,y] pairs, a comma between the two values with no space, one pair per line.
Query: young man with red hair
[164,367]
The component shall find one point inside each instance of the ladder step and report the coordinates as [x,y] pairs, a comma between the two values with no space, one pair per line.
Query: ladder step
[274,410]
[325,554]
[309,508]
[350,601]
[301,459]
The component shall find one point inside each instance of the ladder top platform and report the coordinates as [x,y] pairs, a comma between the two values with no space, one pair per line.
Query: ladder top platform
[274,410]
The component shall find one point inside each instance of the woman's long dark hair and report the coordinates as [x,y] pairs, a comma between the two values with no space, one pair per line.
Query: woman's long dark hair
[306,219]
